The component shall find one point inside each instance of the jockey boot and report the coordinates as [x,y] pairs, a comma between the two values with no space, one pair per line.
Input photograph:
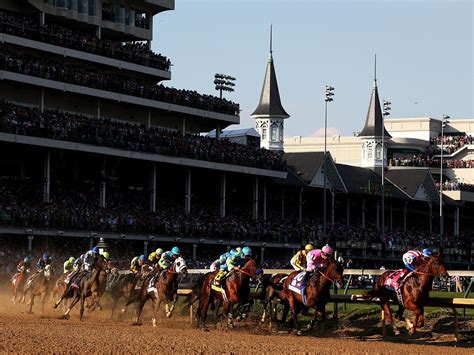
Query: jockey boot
[218,278]
[306,277]
[405,272]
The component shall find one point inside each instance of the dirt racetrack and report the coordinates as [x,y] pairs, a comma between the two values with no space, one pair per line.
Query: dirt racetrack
[33,333]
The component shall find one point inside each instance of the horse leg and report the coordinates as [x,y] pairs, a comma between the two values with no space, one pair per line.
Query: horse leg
[139,309]
[31,302]
[73,303]
[399,314]
[388,315]
[156,308]
[83,299]
[291,302]
[228,313]
[422,317]
[43,301]
[206,299]
[168,313]
[414,308]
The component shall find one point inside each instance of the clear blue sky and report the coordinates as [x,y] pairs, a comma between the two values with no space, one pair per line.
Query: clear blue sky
[424,50]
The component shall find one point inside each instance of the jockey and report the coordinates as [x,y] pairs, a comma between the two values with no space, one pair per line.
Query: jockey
[221,262]
[298,261]
[42,262]
[168,257]
[154,257]
[137,263]
[68,264]
[24,265]
[106,255]
[317,259]
[411,256]
[78,263]
[89,259]
[234,261]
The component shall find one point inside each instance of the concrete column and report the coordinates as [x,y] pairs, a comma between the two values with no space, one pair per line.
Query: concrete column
[184,126]
[148,120]
[430,226]
[42,18]
[405,216]
[223,195]
[300,206]
[30,243]
[348,211]
[195,246]
[187,201]
[255,199]
[378,215]
[145,248]
[41,105]
[262,254]
[152,188]
[264,202]
[391,215]
[47,177]
[456,222]
[218,131]
[98,108]
[99,32]
[282,203]
[333,206]
[103,185]
[91,243]
[363,212]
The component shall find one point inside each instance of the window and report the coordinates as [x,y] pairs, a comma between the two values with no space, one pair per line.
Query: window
[369,152]
[280,131]
[273,132]
[264,133]
[377,152]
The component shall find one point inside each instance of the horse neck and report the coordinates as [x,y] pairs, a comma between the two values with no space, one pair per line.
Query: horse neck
[424,279]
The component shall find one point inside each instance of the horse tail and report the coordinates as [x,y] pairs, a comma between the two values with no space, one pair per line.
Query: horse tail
[198,296]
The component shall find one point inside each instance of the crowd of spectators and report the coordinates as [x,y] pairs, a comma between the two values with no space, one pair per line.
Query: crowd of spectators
[426,161]
[103,80]
[59,125]
[455,185]
[451,143]
[20,25]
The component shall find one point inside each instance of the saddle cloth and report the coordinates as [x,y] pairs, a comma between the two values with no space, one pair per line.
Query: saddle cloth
[296,284]
[393,279]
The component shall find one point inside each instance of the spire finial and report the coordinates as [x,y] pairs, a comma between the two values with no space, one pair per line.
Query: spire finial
[271,40]
[375,71]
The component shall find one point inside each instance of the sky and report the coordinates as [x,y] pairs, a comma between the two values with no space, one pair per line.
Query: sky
[424,49]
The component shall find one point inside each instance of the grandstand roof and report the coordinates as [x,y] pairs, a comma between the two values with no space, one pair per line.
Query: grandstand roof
[365,181]
[270,103]
[412,180]
[305,165]
[236,133]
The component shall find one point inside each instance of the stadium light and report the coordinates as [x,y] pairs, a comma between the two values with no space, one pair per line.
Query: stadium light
[224,83]
[329,93]
[444,123]
[386,109]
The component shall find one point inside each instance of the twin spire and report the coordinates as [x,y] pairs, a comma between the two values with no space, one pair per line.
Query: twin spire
[270,103]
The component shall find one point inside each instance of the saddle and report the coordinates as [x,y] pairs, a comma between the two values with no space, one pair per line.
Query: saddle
[395,281]
[298,285]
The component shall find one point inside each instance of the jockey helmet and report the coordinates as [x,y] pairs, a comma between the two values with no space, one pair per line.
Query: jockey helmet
[246,251]
[159,251]
[176,251]
[26,259]
[427,252]
[327,250]
[308,247]
[238,250]
[142,257]
[71,259]
[232,252]
[105,255]
[45,256]
[95,250]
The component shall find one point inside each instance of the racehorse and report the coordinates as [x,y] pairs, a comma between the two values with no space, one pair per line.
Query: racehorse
[122,285]
[82,285]
[316,291]
[236,288]
[18,281]
[273,288]
[158,287]
[38,284]
[414,292]
[59,286]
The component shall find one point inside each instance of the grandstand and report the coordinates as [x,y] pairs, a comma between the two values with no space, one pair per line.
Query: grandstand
[94,144]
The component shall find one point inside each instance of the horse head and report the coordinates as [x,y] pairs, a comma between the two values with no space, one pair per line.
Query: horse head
[47,272]
[334,273]
[435,266]
[253,269]
[179,266]
[102,264]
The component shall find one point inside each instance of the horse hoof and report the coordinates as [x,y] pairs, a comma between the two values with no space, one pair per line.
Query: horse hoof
[299,333]
[396,332]
[412,331]
[244,316]
[168,314]
[65,316]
